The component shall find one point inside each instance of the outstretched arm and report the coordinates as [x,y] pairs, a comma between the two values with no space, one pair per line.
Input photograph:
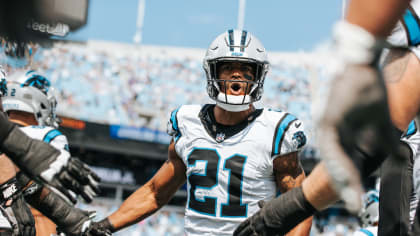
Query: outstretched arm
[153,195]
[289,174]
[377,17]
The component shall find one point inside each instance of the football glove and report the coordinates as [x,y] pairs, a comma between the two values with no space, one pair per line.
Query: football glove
[355,111]
[77,178]
[89,228]
[255,225]
[46,164]
[101,228]
[17,210]
[278,216]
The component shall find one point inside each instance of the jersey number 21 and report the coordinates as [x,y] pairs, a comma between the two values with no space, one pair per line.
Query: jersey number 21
[234,165]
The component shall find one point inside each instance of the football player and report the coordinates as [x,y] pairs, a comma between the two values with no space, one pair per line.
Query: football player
[29,101]
[15,216]
[231,154]
[30,104]
[403,67]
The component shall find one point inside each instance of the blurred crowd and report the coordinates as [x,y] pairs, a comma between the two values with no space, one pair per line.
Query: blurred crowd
[139,86]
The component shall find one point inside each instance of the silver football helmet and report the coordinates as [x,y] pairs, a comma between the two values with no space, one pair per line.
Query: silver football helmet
[3,86]
[237,46]
[31,92]
[369,215]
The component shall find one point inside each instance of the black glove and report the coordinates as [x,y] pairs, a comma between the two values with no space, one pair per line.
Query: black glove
[101,228]
[79,223]
[355,119]
[255,225]
[46,164]
[21,216]
[278,216]
[17,210]
[79,178]
[89,228]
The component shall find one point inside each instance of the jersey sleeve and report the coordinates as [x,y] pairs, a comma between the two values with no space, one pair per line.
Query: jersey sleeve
[173,125]
[364,232]
[49,135]
[412,137]
[57,140]
[289,136]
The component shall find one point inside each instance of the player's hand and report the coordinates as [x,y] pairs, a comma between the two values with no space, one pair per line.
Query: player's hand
[22,219]
[76,177]
[255,225]
[101,228]
[355,117]
[87,227]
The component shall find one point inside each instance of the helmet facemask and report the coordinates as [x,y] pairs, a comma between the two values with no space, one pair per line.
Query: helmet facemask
[248,52]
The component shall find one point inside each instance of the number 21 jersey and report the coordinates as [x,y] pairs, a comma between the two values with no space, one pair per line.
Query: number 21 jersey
[229,168]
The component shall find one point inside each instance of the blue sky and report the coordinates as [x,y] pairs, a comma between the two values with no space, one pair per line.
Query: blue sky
[280,25]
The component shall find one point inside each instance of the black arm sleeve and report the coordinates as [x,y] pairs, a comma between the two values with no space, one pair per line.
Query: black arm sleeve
[59,211]
[287,211]
[30,187]
[395,191]
[5,126]
[31,156]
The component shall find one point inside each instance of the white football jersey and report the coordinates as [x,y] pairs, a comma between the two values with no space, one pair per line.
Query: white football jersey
[412,138]
[47,134]
[407,31]
[368,231]
[227,174]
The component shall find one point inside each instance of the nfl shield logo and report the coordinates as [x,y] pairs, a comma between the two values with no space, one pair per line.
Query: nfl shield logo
[220,137]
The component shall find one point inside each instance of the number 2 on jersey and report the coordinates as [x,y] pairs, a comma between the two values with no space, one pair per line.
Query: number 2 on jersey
[234,165]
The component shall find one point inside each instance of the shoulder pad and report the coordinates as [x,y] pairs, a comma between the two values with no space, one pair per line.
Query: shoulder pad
[412,129]
[172,126]
[51,135]
[289,135]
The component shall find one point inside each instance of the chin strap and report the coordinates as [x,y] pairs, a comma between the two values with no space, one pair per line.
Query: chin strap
[232,108]
[233,103]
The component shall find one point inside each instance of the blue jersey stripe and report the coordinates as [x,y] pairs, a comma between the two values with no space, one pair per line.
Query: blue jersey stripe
[282,128]
[367,232]
[412,26]
[51,135]
[177,137]
[174,122]
[411,128]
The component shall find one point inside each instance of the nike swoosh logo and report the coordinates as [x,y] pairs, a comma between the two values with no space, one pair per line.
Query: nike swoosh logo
[297,125]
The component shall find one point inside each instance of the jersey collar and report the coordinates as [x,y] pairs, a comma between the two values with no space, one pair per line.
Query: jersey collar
[221,132]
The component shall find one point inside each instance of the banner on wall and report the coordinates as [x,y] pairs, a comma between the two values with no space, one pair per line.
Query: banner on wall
[139,133]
